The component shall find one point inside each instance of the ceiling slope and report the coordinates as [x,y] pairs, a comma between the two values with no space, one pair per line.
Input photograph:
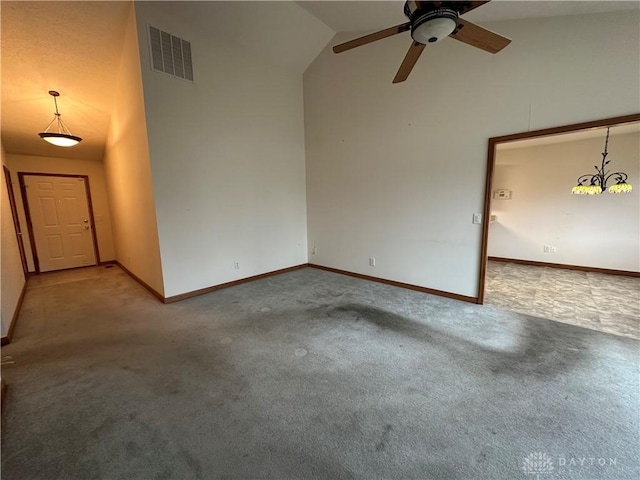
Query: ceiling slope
[363,16]
[280,33]
[75,48]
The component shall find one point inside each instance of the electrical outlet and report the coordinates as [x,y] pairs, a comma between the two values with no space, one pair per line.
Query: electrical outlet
[236,265]
[314,250]
[477,218]
[372,262]
[546,249]
[552,249]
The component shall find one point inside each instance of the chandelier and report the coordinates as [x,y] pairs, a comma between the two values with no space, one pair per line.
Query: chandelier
[596,183]
[63,137]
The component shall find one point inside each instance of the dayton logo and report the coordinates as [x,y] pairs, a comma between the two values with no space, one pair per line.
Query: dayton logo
[537,464]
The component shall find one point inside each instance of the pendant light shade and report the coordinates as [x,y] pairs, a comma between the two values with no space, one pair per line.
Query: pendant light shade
[63,137]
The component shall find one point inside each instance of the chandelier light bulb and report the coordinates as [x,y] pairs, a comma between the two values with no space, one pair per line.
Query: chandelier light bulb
[621,188]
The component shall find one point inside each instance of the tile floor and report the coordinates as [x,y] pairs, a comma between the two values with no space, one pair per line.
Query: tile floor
[608,303]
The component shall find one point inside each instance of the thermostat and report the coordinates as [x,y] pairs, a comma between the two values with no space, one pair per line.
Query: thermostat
[502,194]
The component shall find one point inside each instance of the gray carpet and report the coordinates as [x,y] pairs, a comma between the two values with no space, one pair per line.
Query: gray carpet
[309,375]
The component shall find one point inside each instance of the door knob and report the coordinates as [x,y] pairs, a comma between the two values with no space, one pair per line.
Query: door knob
[85,220]
[86,227]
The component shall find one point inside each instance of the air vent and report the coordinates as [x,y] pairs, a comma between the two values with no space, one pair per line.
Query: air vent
[170,54]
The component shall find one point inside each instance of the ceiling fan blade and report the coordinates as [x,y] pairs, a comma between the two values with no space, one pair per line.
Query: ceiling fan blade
[479,37]
[428,5]
[470,6]
[372,37]
[409,61]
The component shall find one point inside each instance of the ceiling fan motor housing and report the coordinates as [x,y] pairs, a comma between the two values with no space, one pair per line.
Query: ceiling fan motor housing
[433,25]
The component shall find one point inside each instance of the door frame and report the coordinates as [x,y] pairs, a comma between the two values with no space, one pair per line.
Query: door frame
[491,161]
[16,220]
[27,213]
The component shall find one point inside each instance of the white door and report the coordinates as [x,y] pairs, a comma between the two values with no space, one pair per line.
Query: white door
[60,222]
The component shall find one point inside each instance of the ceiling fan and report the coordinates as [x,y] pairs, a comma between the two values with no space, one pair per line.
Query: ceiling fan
[431,22]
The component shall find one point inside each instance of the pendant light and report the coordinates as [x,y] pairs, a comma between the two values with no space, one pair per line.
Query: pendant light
[597,182]
[63,137]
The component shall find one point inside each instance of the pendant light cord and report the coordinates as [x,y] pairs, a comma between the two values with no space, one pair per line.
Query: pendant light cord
[62,128]
[51,123]
[55,102]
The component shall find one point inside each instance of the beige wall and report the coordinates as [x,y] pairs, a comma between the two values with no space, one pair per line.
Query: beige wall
[97,183]
[12,278]
[396,172]
[128,172]
[595,231]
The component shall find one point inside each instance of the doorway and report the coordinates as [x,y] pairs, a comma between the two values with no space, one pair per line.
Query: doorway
[60,220]
[516,267]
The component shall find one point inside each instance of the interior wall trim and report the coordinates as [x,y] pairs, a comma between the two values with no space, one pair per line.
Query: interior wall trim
[408,286]
[582,268]
[16,219]
[14,318]
[151,290]
[491,161]
[213,288]
[3,394]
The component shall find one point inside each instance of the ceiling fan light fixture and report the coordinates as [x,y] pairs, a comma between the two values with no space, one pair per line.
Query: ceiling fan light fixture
[430,25]
[434,26]
[63,137]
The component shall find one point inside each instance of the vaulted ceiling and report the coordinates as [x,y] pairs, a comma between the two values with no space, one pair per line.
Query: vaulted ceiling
[75,48]
[360,16]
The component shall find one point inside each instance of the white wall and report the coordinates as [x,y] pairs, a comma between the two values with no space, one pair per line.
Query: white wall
[97,184]
[128,172]
[595,231]
[395,172]
[12,278]
[227,156]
